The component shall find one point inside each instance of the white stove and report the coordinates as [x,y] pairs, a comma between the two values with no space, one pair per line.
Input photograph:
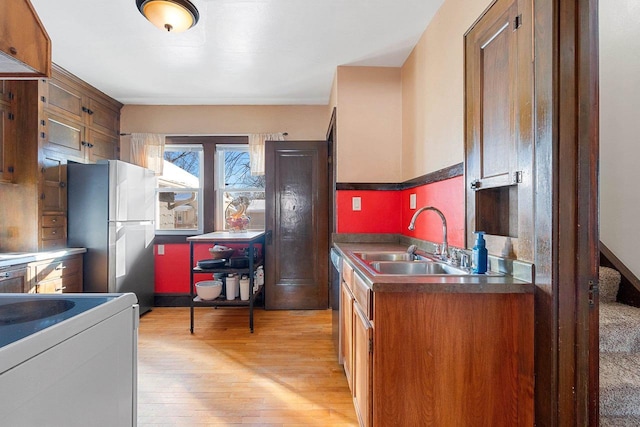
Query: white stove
[68,359]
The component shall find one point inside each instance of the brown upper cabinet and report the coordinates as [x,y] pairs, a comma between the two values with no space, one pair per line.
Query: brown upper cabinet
[33,209]
[498,139]
[80,123]
[25,47]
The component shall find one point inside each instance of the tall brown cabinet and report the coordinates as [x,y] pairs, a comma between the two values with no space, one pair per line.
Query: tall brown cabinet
[56,121]
[499,102]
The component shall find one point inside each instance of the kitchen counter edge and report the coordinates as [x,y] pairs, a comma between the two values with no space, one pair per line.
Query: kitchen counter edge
[431,284]
[13,258]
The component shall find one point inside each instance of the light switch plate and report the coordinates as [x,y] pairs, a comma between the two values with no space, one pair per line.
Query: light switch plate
[160,249]
[356,203]
[412,201]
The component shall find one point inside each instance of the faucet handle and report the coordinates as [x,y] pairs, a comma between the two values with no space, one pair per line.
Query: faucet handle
[437,251]
[454,259]
[464,260]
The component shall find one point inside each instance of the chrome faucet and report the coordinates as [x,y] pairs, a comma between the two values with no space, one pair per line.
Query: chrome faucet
[445,245]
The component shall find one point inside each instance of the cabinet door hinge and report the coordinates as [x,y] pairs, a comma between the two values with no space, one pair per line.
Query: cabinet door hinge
[11,96]
[517,22]
[594,290]
[517,177]
[11,116]
[370,345]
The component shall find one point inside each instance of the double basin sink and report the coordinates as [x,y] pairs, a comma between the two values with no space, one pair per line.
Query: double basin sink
[405,263]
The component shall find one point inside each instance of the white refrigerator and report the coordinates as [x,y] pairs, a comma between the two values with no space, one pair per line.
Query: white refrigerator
[111,212]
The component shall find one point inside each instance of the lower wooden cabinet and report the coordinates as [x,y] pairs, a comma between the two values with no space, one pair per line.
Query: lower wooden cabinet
[59,275]
[347,331]
[14,279]
[362,365]
[443,359]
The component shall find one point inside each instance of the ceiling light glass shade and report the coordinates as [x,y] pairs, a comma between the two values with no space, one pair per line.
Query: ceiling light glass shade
[169,15]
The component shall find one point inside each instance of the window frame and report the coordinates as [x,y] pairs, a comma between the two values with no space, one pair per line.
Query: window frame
[198,147]
[220,189]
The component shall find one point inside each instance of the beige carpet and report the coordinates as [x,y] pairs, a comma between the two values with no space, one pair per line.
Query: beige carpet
[619,356]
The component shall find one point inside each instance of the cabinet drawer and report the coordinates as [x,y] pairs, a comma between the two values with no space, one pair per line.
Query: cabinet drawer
[13,279]
[69,284]
[53,220]
[362,294]
[52,233]
[53,244]
[347,274]
[56,269]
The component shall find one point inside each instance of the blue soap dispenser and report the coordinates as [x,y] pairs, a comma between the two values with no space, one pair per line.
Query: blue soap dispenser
[479,254]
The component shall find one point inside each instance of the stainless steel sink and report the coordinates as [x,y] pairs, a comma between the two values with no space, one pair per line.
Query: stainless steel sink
[385,256]
[414,268]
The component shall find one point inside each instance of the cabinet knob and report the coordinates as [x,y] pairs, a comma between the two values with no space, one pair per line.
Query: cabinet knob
[13,50]
[4,275]
[475,184]
[63,184]
[90,112]
[85,109]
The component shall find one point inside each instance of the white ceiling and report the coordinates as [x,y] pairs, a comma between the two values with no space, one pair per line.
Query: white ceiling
[241,52]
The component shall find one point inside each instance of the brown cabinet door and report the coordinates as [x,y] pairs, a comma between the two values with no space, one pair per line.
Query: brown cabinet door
[296,211]
[24,40]
[102,118]
[100,146]
[54,184]
[65,136]
[13,279]
[7,143]
[492,70]
[346,325]
[65,100]
[362,365]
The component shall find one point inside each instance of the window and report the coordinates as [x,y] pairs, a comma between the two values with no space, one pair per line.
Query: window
[239,194]
[179,193]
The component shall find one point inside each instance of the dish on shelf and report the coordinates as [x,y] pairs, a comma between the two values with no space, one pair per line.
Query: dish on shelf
[209,289]
[221,252]
[211,263]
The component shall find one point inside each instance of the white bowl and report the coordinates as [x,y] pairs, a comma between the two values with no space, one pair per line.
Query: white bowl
[209,289]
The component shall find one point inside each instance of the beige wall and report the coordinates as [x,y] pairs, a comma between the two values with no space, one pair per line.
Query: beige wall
[302,122]
[433,91]
[369,134]
[619,129]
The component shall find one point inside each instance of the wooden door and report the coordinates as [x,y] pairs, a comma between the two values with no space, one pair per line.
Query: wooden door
[7,143]
[297,222]
[54,184]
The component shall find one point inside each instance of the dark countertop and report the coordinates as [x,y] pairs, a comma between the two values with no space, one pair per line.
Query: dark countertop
[426,283]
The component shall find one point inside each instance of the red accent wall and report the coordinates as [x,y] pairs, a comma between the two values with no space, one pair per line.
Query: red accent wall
[380,212]
[388,211]
[448,196]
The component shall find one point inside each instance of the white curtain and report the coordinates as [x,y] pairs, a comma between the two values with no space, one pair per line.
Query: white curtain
[147,150]
[256,150]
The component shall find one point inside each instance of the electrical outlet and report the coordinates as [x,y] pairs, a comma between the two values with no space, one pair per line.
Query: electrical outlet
[412,201]
[356,203]
[160,249]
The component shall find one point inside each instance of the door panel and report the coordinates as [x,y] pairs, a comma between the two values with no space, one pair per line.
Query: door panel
[297,216]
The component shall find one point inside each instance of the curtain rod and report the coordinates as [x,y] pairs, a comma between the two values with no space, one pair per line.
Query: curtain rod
[237,134]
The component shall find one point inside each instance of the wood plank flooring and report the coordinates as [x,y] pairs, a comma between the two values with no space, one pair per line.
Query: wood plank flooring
[284,374]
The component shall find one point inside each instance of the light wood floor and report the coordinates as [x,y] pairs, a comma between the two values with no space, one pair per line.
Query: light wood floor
[284,374]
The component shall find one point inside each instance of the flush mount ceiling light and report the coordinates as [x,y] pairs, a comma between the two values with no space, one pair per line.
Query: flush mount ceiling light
[170,15]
